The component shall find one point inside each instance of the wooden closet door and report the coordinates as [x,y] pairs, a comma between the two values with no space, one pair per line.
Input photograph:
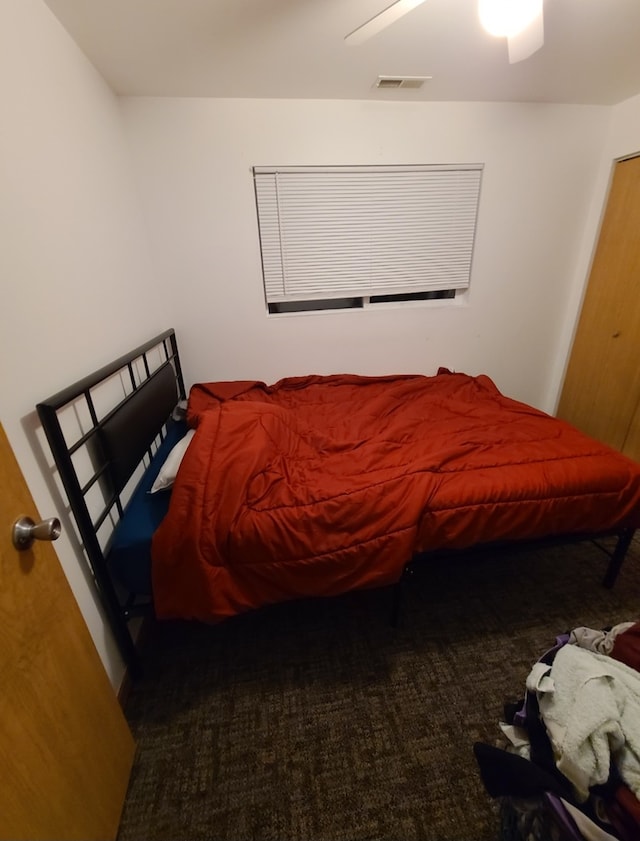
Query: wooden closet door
[602,386]
[65,747]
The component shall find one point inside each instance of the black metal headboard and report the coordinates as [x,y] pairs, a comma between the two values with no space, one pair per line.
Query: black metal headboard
[102,430]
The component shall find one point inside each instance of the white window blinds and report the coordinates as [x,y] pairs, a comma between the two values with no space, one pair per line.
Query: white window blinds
[331,232]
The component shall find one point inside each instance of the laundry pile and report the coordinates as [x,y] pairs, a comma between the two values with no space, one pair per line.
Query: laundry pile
[568,767]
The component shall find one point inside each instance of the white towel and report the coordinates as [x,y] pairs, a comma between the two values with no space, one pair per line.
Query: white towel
[590,705]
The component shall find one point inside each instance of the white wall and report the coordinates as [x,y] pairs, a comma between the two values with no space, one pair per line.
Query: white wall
[78,285]
[622,140]
[192,164]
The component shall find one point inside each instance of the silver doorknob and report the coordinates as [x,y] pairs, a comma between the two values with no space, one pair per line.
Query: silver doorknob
[25,531]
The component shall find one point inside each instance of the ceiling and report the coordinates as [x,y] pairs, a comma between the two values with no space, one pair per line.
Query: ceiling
[296,49]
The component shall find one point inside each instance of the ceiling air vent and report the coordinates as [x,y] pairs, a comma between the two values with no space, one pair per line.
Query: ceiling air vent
[401,81]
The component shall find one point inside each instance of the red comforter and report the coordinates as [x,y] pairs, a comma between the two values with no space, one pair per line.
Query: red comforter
[318,485]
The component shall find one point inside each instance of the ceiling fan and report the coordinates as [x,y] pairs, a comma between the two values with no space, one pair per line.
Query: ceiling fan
[519,21]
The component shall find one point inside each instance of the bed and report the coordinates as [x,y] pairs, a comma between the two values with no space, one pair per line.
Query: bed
[312,486]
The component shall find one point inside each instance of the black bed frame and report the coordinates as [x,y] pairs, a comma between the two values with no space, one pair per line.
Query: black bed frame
[127,433]
[616,555]
[115,442]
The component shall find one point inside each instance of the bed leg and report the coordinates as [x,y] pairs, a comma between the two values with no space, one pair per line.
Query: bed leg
[398,597]
[396,603]
[618,556]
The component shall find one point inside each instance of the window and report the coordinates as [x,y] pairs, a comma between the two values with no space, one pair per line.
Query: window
[336,237]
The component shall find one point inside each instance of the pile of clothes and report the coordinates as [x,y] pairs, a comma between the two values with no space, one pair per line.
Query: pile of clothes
[568,766]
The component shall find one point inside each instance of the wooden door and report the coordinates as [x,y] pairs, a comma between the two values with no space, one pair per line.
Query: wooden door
[602,385]
[65,748]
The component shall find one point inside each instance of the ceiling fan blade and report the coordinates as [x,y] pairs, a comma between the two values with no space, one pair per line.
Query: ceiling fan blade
[527,42]
[380,21]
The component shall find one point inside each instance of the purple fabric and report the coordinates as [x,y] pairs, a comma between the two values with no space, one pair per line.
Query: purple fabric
[563,819]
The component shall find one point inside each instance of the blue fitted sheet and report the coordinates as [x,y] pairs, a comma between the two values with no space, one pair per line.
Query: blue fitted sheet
[130,553]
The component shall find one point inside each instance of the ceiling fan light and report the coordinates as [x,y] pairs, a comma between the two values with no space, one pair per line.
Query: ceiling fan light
[506,18]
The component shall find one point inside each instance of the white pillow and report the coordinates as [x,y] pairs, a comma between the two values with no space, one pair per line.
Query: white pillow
[169,469]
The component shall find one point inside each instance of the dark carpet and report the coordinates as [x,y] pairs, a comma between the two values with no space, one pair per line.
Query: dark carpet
[318,720]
